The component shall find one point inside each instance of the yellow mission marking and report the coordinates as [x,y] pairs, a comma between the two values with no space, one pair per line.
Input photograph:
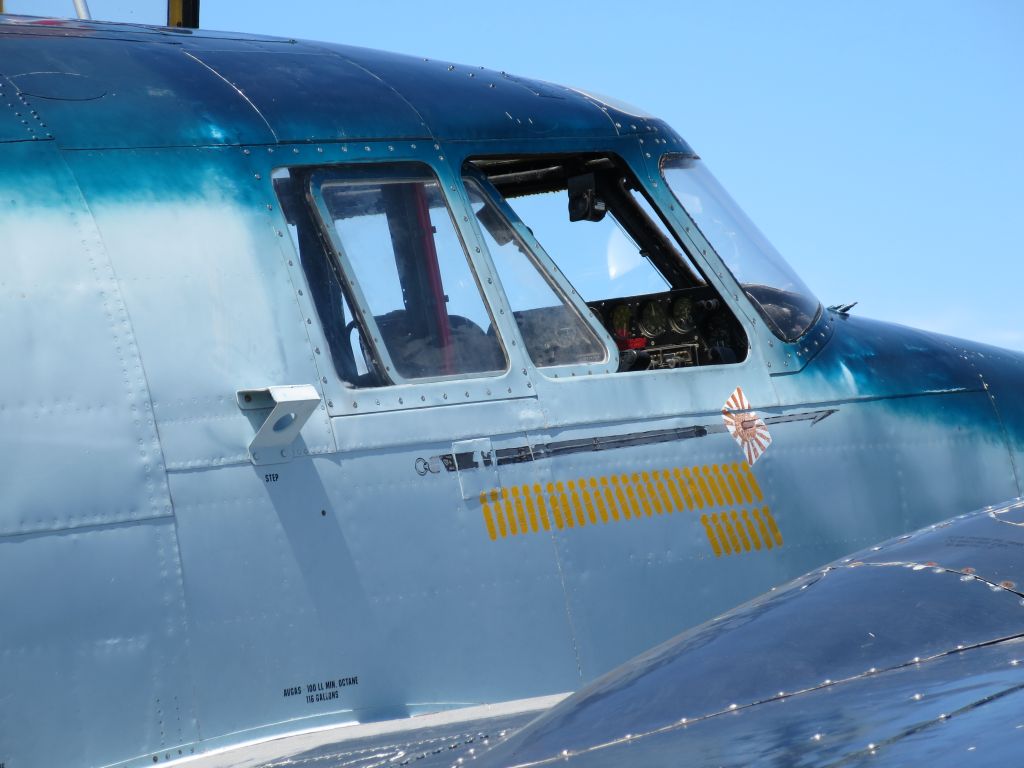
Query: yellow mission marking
[497,514]
[672,489]
[733,484]
[563,504]
[662,493]
[641,490]
[508,512]
[723,485]
[735,521]
[652,494]
[609,499]
[520,512]
[771,524]
[555,511]
[541,508]
[751,480]
[684,486]
[710,480]
[732,532]
[576,503]
[729,529]
[632,498]
[601,508]
[488,517]
[529,506]
[700,491]
[751,530]
[588,503]
[763,528]
[721,534]
[739,529]
[716,548]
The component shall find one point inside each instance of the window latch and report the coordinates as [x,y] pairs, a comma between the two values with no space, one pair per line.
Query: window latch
[290,407]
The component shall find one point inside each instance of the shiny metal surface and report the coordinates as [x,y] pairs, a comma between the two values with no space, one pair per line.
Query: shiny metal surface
[910,652]
[431,747]
[165,597]
[213,88]
[453,736]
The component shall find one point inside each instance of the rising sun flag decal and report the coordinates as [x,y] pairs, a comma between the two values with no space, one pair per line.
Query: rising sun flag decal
[746,427]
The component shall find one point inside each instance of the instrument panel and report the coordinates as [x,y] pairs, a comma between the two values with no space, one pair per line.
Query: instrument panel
[675,329]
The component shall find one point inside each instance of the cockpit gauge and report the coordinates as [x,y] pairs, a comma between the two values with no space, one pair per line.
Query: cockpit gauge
[681,318]
[653,319]
[621,315]
[674,329]
[717,332]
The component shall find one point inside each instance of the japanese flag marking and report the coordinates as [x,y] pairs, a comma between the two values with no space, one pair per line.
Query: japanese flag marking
[746,427]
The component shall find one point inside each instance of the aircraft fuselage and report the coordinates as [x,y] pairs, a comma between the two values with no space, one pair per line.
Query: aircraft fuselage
[488,499]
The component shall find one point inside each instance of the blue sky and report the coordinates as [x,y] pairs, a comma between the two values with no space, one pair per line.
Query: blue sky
[880,146]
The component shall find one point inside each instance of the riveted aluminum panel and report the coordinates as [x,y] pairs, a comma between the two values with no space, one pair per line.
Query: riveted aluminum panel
[168,88]
[19,121]
[203,273]
[94,647]
[915,463]
[861,358]
[338,99]
[273,580]
[315,570]
[78,444]
[463,102]
[491,622]
[141,94]
[1000,372]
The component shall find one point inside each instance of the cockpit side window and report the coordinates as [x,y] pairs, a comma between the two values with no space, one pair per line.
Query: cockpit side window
[398,298]
[344,336]
[592,218]
[552,329]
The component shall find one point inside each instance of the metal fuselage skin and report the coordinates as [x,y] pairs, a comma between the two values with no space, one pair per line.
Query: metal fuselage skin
[164,595]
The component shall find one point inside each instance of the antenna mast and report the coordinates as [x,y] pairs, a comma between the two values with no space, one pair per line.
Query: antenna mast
[183,13]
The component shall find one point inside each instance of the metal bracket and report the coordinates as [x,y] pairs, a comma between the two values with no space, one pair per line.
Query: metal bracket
[475,462]
[290,406]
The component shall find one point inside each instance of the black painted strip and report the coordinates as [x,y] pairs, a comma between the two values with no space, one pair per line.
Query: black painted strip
[525,453]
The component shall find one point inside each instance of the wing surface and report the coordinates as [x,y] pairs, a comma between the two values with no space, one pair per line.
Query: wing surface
[426,741]
[909,653]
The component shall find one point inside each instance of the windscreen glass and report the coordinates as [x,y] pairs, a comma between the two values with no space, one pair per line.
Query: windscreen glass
[776,291]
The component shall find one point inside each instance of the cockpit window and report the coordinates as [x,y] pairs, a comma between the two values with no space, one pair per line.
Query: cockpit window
[403,285]
[778,294]
[345,338]
[409,273]
[599,258]
[589,216]
[552,329]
